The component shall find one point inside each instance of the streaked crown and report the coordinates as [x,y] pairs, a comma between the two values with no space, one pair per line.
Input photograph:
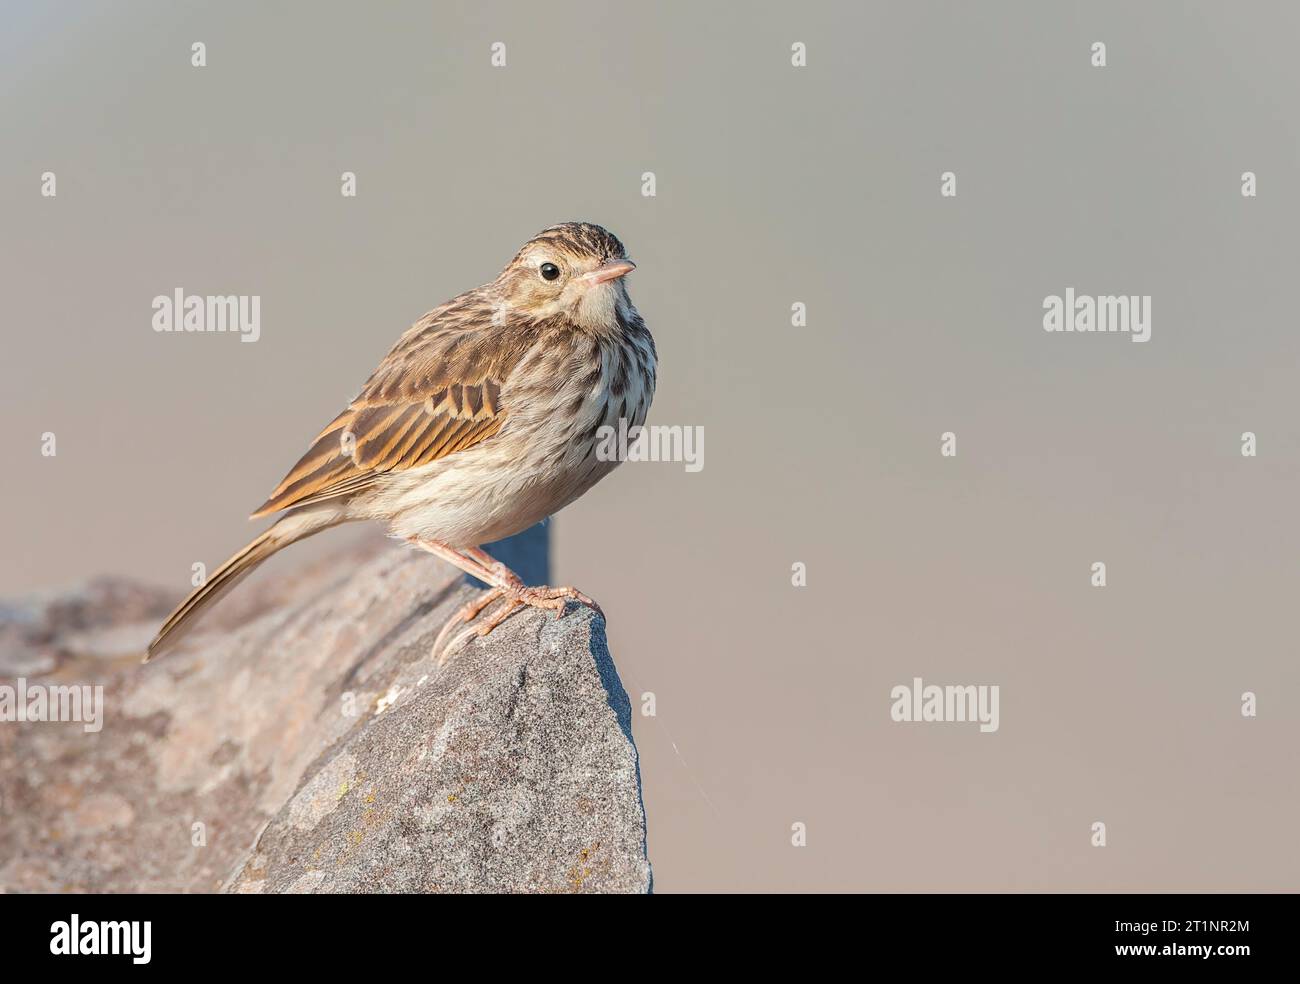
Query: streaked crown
[581,239]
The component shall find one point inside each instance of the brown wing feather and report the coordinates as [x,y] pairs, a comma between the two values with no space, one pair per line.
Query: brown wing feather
[437,392]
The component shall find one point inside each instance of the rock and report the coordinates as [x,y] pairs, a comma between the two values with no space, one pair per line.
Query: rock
[319,748]
[40,632]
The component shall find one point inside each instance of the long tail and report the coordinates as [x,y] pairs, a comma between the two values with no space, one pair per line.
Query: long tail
[289,529]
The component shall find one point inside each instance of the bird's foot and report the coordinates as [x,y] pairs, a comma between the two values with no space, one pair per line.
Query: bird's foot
[554,598]
[514,598]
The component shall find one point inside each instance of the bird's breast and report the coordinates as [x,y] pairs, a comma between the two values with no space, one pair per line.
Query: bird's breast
[557,401]
[562,399]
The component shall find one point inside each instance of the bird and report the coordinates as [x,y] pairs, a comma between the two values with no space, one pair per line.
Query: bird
[483,419]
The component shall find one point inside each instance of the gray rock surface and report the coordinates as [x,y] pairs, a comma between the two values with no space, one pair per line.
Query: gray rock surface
[317,746]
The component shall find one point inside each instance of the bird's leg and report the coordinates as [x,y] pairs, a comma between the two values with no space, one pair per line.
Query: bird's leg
[540,597]
[498,575]
[487,561]
[469,565]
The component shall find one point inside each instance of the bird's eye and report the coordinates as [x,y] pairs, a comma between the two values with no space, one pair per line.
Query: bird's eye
[549,271]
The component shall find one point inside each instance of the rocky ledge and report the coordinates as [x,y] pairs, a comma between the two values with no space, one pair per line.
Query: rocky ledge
[318,748]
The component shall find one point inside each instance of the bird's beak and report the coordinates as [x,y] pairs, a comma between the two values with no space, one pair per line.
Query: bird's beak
[610,271]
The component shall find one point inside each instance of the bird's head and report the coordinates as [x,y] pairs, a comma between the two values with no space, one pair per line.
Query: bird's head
[573,270]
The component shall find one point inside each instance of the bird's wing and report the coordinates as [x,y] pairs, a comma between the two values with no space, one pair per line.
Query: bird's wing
[437,392]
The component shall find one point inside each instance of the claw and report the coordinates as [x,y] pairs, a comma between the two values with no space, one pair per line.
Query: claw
[466,613]
[549,599]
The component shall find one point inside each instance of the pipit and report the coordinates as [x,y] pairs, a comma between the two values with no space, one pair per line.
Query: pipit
[482,420]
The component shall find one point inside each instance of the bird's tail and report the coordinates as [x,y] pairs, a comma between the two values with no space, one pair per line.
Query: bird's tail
[288,529]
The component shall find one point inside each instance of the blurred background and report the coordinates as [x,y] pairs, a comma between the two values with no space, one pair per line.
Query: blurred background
[775,185]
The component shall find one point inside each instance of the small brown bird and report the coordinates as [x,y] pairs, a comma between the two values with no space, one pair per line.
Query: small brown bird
[481,421]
